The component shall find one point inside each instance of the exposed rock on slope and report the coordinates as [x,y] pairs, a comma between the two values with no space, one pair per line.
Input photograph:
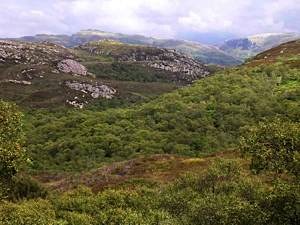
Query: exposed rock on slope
[96,91]
[185,69]
[36,73]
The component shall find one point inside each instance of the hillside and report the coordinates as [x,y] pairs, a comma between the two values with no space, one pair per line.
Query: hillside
[223,150]
[247,47]
[287,53]
[48,75]
[205,53]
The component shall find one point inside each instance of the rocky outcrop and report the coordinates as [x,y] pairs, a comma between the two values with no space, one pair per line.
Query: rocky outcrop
[58,58]
[96,91]
[188,68]
[185,68]
[71,66]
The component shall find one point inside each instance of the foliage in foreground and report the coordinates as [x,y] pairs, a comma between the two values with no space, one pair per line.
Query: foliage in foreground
[223,195]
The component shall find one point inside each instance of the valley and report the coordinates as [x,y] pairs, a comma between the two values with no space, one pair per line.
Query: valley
[149,112]
[107,132]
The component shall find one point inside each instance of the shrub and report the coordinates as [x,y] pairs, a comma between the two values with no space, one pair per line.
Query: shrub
[24,187]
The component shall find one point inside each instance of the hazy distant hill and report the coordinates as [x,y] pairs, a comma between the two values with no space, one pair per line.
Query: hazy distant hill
[243,48]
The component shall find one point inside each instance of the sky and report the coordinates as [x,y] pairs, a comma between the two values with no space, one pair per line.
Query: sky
[182,19]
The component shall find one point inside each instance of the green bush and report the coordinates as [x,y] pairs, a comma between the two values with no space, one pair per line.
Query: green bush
[31,212]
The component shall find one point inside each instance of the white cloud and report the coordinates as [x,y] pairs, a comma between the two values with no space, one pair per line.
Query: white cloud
[162,18]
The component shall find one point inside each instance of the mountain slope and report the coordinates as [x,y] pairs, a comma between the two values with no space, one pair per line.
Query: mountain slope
[48,75]
[205,53]
[247,47]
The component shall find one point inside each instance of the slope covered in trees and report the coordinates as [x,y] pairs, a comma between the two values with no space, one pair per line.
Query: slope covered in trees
[211,115]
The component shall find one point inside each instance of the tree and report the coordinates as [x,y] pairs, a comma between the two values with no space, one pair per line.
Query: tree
[11,152]
[274,146]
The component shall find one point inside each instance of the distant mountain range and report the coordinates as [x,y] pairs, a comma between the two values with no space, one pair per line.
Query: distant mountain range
[206,53]
[230,53]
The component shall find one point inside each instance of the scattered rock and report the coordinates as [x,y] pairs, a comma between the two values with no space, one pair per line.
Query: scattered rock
[75,104]
[16,82]
[55,71]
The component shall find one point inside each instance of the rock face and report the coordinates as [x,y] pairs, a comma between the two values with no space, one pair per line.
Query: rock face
[71,66]
[96,91]
[185,68]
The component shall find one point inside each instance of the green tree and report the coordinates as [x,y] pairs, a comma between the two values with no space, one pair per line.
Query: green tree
[11,152]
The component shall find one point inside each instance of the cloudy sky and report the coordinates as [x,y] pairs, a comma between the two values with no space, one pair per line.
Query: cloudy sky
[190,19]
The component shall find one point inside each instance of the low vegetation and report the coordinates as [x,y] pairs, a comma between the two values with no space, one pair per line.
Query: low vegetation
[221,195]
